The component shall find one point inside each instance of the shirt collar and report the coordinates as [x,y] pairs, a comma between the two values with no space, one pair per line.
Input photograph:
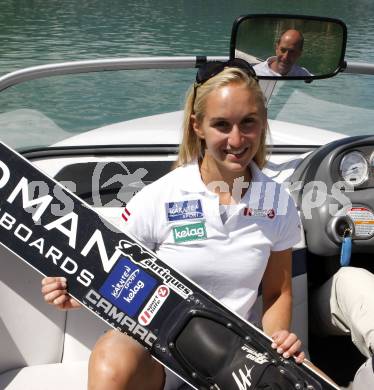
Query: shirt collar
[191,182]
[292,71]
[269,61]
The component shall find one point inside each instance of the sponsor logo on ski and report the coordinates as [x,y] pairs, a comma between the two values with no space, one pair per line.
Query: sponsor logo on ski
[191,232]
[245,380]
[127,286]
[254,355]
[187,209]
[268,213]
[117,318]
[153,305]
[145,259]
[125,281]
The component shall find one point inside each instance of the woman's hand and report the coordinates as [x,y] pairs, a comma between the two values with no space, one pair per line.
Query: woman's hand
[54,290]
[287,344]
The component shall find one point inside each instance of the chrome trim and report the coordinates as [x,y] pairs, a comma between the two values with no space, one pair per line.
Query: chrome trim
[105,64]
[359,68]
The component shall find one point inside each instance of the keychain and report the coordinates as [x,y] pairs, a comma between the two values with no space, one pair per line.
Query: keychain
[345,254]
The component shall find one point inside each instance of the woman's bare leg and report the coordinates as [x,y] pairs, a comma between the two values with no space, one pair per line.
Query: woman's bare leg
[120,363]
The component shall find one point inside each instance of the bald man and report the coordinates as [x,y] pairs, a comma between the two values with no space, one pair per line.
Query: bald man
[288,50]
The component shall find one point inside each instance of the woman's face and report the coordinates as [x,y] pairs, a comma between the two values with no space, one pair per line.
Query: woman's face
[231,128]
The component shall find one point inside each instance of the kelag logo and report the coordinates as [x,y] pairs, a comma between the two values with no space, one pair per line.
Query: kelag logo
[127,286]
[191,232]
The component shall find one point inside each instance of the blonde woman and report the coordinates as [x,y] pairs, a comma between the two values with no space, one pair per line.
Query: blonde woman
[237,242]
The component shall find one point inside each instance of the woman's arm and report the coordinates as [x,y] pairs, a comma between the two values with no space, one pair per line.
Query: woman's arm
[277,304]
[277,292]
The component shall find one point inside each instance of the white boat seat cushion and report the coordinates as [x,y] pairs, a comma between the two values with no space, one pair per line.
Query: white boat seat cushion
[66,376]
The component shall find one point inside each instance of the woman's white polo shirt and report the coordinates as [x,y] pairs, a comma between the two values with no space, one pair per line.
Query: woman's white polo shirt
[179,218]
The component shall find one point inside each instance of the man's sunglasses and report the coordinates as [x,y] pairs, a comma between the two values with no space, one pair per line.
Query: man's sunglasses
[212,68]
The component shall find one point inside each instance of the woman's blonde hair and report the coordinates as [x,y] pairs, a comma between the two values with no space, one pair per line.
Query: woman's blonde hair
[192,147]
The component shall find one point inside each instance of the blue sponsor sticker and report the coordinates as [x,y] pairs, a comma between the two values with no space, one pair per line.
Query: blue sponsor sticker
[127,286]
[187,209]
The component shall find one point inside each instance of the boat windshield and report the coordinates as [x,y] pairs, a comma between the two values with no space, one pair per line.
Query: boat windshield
[47,111]
[342,104]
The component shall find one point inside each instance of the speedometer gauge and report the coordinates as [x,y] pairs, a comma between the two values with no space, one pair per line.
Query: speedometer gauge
[354,168]
[372,160]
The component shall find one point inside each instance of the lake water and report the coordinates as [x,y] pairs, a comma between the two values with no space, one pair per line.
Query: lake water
[35,32]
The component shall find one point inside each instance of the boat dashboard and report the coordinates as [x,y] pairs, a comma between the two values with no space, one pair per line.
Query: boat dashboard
[333,188]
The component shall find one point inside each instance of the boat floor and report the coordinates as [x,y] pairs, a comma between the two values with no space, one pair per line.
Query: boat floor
[337,357]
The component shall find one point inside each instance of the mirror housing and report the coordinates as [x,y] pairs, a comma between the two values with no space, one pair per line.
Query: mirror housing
[290,47]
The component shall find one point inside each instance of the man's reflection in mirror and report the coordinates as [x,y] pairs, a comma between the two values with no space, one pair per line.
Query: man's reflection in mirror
[288,50]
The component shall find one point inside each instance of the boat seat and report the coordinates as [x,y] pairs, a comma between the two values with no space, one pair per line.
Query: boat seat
[40,347]
[58,376]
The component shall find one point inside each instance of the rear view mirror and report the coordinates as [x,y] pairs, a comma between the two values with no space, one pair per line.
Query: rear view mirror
[290,46]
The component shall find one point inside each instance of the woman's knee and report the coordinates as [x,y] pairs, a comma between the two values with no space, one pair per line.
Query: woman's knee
[115,353]
[121,361]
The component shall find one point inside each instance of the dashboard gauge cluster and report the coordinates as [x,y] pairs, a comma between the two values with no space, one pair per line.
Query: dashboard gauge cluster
[356,168]
[345,168]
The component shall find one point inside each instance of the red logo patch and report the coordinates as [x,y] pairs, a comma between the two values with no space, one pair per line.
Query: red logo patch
[249,212]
